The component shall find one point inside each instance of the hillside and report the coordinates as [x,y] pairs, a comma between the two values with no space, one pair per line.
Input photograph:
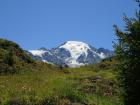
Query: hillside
[12,57]
[45,84]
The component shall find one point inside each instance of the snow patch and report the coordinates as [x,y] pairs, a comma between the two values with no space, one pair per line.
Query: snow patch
[76,48]
[37,52]
[102,55]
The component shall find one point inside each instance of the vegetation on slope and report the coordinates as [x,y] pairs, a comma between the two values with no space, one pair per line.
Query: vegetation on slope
[127,48]
[54,87]
[12,57]
[38,83]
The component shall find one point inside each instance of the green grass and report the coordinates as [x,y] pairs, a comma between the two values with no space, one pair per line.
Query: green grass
[24,81]
[56,87]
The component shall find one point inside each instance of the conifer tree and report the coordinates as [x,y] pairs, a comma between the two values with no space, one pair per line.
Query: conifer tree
[127,50]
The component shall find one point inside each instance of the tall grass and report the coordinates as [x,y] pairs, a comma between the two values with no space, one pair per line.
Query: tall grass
[56,87]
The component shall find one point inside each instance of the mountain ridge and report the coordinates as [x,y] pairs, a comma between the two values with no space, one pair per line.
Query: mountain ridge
[72,54]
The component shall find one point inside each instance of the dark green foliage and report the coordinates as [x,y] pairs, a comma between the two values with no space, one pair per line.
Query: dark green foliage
[5,44]
[17,102]
[12,57]
[128,54]
[9,58]
[48,101]
[31,101]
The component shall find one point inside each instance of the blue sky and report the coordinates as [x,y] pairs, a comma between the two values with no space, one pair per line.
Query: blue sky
[49,23]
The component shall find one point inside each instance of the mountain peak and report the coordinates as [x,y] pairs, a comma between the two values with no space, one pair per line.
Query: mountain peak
[71,53]
[76,48]
[43,48]
[77,43]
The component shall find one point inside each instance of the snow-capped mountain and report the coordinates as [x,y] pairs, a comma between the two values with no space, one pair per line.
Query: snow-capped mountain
[72,54]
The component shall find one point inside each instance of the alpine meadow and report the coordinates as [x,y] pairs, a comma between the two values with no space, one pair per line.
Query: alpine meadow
[70,69]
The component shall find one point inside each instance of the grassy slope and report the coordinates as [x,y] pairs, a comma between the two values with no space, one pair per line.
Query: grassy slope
[12,58]
[52,86]
[39,83]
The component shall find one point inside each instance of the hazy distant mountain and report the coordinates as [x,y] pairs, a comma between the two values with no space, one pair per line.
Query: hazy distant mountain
[71,53]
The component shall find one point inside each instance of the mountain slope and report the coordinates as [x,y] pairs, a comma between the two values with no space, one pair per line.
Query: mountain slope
[71,53]
[12,57]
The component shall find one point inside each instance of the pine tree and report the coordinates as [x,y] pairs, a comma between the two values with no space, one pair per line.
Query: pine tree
[127,50]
